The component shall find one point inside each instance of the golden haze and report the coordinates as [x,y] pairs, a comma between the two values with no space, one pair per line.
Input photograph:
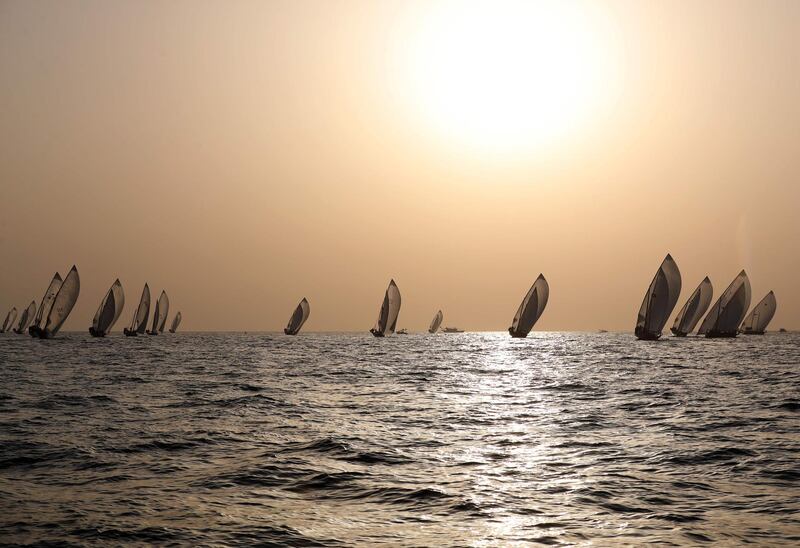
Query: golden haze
[244,155]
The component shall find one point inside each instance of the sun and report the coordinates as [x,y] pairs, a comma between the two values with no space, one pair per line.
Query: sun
[508,75]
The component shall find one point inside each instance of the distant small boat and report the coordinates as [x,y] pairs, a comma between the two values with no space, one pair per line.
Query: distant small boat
[757,321]
[530,309]
[659,301]
[299,317]
[139,322]
[160,315]
[390,310]
[109,311]
[782,330]
[176,321]
[62,305]
[402,332]
[602,331]
[725,317]
[452,330]
[25,320]
[44,306]
[436,322]
[694,309]
[9,321]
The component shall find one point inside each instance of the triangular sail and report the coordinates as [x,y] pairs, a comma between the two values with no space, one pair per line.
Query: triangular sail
[65,299]
[724,318]
[47,300]
[659,301]
[9,321]
[176,321]
[299,317]
[693,310]
[436,322]
[26,318]
[531,308]
[160,317]
[762,313]
[110,309]
[139,320]
[390,310]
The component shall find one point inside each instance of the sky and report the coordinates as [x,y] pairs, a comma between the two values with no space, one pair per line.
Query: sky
[244,155]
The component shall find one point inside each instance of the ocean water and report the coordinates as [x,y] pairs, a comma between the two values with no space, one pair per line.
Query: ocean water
[474,439]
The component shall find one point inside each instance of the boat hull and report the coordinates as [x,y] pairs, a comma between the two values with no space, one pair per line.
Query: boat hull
[644,335]
[95,333]
[376,333]
[721,335]
[130,332]
[677,333]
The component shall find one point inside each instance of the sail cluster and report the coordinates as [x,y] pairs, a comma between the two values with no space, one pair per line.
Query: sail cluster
[726,318]
[60,297]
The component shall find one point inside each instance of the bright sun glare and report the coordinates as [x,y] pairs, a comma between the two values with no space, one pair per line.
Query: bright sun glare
[503,76]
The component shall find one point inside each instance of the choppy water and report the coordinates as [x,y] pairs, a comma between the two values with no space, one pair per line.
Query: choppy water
[344,439]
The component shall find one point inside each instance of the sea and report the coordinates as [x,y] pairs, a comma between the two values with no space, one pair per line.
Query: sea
[343,439]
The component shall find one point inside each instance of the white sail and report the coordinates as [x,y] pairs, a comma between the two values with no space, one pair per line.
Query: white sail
[436,322]
[9,321]
[726,315]
[531,308]
[110,309]
[299,317]
[65,299]
[659,301]
[762,313]
[26,318]
[139,320]
[176,321]
[694,309]
[160,317]
[47,301]
[390,310]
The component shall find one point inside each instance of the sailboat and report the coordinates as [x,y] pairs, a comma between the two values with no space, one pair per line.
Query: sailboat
[140,315]
[9,321]
[62,305]
[109,311]
[725,317]
[659,301]
[757,321]
[436,322]
[530,309]
[160,316]
[176,321]
[299,317]
[26,318]
[694,309]
[390,309]
[45,305]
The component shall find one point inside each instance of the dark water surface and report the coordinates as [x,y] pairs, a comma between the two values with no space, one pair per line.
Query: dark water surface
[344,439]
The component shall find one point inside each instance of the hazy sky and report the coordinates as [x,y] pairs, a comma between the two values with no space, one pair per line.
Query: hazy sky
[244,155]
